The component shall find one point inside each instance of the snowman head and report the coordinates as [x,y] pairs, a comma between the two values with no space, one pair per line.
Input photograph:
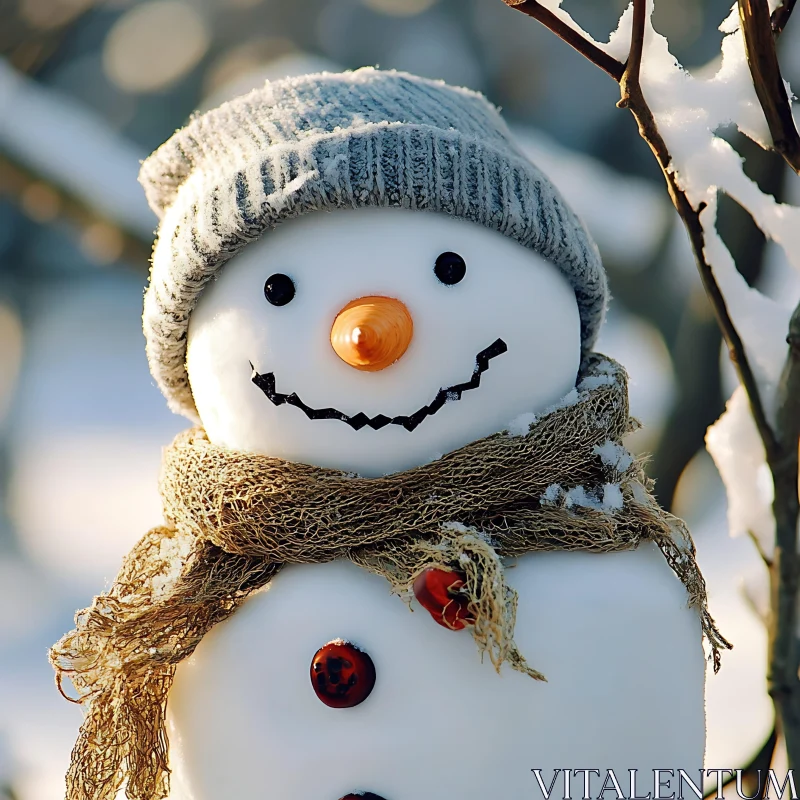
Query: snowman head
[373,340]
[361,271]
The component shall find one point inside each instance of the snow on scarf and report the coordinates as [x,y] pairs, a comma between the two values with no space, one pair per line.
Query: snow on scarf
[234,518]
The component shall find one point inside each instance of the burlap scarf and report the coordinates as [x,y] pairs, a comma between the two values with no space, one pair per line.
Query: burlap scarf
[233,519]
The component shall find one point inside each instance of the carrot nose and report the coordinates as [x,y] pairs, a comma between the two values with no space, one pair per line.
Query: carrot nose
[371,333]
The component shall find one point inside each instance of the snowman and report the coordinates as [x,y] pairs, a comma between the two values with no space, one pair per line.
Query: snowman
[381,317]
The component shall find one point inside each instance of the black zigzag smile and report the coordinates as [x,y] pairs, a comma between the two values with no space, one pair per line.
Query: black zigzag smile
[266,382]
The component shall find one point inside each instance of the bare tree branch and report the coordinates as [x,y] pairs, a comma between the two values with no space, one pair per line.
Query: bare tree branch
[572,37]
[759,31]
[757,544]
[784,646]
[633,68]
[780,16]
[762,58]
[788,415]
[781,446]
[633,99]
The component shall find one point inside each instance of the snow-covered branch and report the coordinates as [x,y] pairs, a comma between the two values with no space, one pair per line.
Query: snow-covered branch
[678,115]
[558,21]
[759,40]
[780,16]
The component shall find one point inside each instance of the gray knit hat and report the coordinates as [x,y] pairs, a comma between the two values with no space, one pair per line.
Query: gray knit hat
[363,138]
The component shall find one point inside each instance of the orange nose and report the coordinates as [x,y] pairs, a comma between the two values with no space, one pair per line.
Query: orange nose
[372,332]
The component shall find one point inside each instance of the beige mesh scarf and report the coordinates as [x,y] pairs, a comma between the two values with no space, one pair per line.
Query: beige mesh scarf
[233,519]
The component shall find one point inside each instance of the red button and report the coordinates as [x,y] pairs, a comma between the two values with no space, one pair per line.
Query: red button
[342,675]
[437,592]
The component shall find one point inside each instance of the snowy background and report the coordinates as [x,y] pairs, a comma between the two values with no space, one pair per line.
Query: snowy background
[87,89]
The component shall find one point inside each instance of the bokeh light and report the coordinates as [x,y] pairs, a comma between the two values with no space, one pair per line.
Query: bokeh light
[399,8]
[154,45]
[244,59]
[102,243]
[40,202]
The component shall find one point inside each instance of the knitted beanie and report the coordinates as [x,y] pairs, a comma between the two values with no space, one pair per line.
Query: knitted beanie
[327,141]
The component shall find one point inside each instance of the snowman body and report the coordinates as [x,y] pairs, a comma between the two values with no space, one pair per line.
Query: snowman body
[612,632]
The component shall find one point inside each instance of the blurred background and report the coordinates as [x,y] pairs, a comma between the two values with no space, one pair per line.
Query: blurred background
[88,89]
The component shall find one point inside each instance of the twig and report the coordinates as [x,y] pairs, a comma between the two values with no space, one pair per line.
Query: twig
[788,416]
[784,649]
[762,58]
[781,446]
[633,99]
[757,544]
[693,338]
[633,69]
[759,31]
[572,37]
[780,16]
[694,341]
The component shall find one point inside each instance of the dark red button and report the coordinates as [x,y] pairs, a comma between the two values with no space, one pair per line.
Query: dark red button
[362,796]
[437,592]
[342,675]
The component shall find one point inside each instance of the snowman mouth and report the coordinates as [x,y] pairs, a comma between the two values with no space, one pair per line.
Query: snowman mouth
[266,382]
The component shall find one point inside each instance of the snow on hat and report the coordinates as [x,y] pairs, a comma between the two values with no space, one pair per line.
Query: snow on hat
[340,140]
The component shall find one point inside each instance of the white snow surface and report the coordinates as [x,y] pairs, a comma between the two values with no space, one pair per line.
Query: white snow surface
[609,499]
[738,452]
[520,425]
[614,455]
[733,573]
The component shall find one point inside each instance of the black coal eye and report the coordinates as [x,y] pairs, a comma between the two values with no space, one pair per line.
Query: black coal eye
[279,289]
[450,268]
